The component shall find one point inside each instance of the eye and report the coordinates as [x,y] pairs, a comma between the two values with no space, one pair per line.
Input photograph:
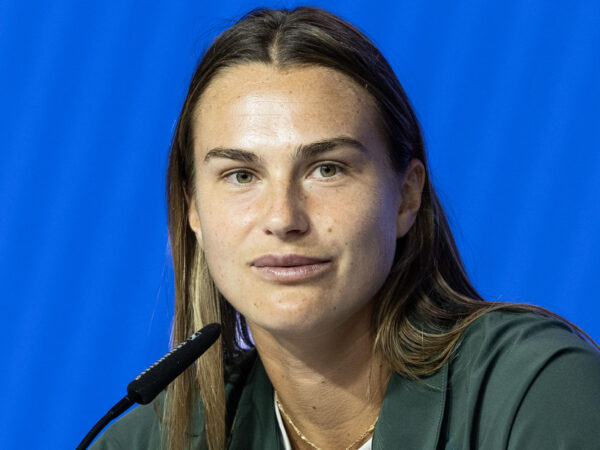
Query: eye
[326,170]
[240,177]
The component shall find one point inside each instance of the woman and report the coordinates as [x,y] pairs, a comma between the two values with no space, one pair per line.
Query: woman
[301,214]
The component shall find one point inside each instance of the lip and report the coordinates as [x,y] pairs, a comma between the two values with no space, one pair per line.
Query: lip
[289,268]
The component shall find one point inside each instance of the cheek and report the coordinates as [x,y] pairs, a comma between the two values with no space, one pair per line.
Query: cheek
[223,232]
[369,231]
[223,221]
[363,215]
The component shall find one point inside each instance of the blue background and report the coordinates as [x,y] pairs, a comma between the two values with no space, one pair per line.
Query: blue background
[507,91]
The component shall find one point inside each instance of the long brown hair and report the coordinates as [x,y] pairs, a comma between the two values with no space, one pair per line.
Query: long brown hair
[427,300]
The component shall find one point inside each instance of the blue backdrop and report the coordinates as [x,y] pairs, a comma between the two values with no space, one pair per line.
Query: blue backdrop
[507,91]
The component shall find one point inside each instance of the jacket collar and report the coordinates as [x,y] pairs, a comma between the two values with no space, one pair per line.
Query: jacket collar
[255,424]
[411,414]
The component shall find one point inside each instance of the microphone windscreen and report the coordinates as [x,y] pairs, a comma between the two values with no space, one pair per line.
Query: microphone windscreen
[148,384]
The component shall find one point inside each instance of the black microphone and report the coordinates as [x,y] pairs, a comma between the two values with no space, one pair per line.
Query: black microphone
[148,384]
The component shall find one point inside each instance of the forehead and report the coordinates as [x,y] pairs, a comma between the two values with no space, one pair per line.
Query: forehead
[261,104]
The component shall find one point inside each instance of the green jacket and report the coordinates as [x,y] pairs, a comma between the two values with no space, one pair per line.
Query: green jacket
[516,381]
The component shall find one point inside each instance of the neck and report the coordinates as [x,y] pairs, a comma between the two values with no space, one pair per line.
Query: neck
[330,385]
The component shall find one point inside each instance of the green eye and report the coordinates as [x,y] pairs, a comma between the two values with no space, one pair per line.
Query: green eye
[327,170]
[244,177]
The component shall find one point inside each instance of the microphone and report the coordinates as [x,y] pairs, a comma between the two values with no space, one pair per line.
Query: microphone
[148,384]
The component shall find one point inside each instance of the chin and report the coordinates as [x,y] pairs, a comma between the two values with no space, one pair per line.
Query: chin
[305,321]
[289,320]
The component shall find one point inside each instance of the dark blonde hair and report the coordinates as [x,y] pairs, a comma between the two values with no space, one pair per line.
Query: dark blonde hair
[426,301]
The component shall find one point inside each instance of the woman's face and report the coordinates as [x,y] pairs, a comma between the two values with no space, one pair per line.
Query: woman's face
[296,206]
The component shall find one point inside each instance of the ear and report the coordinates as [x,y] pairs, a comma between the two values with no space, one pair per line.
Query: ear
[194,219]
[412,189]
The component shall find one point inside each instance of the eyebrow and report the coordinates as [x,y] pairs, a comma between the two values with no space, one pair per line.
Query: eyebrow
[305,151]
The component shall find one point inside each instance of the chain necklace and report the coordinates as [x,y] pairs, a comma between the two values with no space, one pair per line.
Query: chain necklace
[305,439]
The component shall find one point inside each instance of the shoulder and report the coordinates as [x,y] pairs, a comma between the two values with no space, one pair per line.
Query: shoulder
[515,336]
[520,379]
[505,349]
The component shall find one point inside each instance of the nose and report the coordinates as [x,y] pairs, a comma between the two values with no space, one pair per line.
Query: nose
[285,213]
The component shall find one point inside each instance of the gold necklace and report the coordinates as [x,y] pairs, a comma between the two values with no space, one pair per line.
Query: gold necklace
[304,438]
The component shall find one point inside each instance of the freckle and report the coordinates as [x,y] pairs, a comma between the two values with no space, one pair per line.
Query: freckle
[329,230]
[314,407]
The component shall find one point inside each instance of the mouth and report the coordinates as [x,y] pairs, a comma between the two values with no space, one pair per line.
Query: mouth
[289,268]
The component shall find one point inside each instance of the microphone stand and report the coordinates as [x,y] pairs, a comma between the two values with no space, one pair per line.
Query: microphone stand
[148,384]
[120,407]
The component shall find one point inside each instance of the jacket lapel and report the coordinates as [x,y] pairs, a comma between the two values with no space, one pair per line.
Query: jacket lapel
[412,412]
